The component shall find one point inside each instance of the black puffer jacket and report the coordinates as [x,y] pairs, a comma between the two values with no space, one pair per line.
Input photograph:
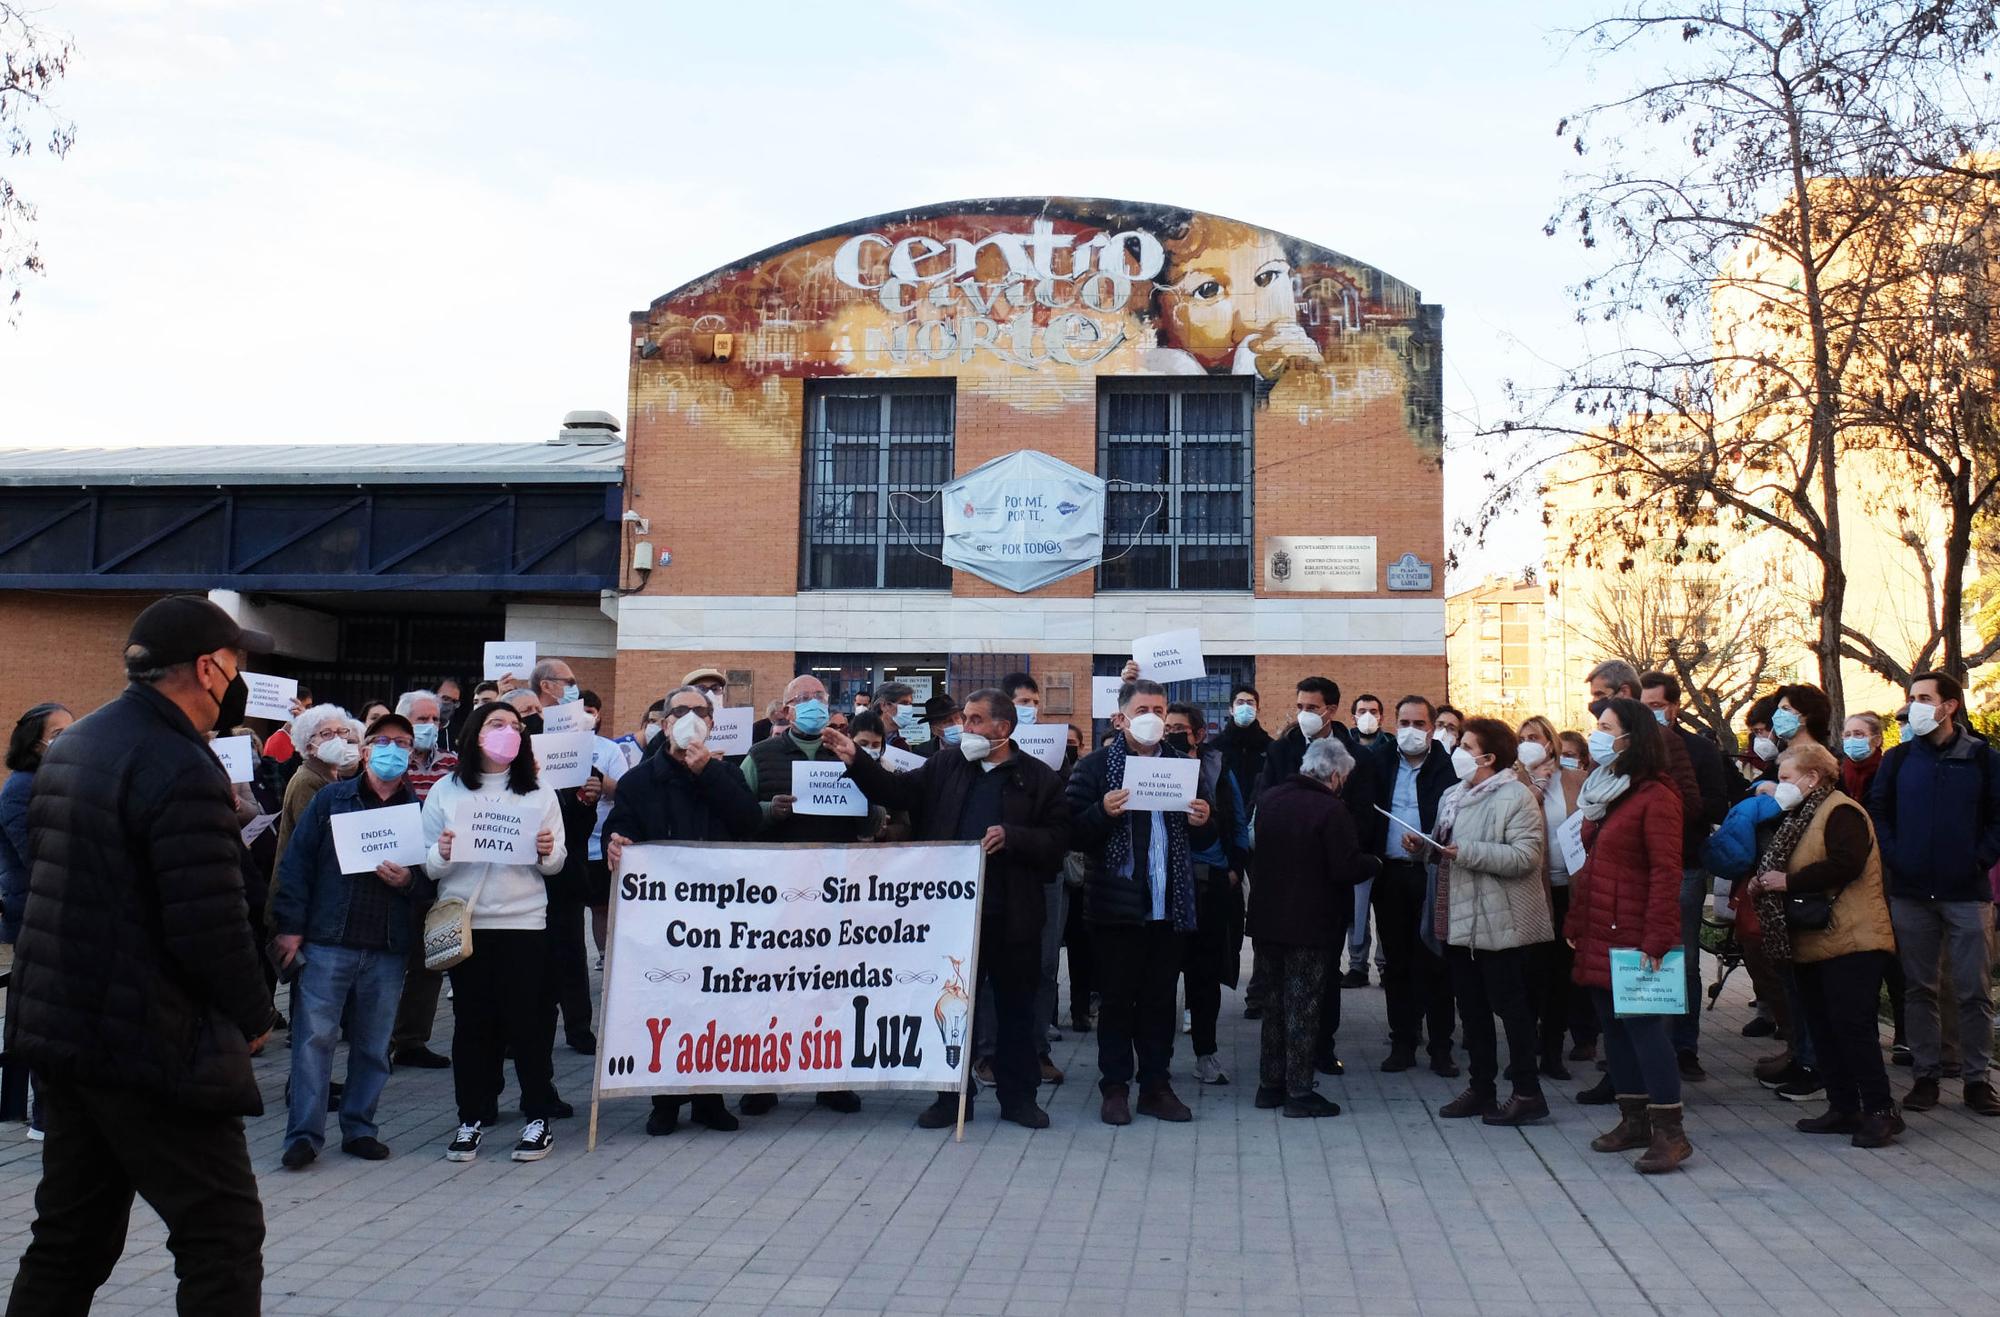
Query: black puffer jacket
[661,800]
[136,967]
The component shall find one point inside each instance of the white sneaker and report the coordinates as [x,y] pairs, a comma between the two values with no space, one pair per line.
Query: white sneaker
[1208,1070]
[35,1135]
[536,1140]
[464,1145]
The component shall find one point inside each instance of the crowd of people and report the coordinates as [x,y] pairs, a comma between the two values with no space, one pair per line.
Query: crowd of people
[1489,872]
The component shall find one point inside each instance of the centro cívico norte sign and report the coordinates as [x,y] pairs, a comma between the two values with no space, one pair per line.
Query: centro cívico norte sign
[1024,520]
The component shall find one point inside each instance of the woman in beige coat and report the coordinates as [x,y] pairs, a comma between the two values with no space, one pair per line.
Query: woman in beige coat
[1492,906]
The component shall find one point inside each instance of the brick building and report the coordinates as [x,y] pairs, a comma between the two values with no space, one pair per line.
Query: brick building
[1266,413]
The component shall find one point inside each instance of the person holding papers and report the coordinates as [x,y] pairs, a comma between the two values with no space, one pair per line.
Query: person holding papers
[499,991]
[987,789]
[683,793]
[352,931]
[1139,900]
[1414,772]
[1824,851]
[1627,896]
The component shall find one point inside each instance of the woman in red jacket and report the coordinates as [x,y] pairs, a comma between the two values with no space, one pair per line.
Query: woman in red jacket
[1628,895]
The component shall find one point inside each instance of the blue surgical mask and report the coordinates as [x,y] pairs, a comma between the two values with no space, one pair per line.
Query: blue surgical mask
[571,694]
[1660,716]
[426,735]
[1785,724]
[809,717]
[1244,714]
[1569,761]
[952,733]
[1603,746]
[388,762]
[1024,715]
[1857,748]
[906,715]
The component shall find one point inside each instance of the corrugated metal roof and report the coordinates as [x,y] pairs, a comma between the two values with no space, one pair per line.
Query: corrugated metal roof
[313,464]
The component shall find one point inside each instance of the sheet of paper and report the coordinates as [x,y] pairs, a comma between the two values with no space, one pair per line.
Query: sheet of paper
[493,832]
[900,761]
[1636,991]
[1170,656]
[730,733]
[560,718]
[363,838]
[270,697]
[1104,696]
[563,758]
[1569,835]
[1161,784]
[257,827]
[1045,741]
[236,756]
[819,787]
[1401,826]
[509,658]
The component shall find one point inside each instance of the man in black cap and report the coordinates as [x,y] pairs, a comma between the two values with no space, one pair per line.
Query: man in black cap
[138,990]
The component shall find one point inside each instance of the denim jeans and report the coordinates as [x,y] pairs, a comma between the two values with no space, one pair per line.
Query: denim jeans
[1695,888]
[1638,1053]
[1357,932]
[375,979]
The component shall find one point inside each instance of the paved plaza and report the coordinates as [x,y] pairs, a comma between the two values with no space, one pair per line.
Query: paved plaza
[1384,1211]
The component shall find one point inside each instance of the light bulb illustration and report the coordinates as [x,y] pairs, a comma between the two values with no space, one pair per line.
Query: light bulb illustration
[953,1012]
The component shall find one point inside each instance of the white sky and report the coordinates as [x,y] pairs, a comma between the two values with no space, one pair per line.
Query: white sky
[373,222]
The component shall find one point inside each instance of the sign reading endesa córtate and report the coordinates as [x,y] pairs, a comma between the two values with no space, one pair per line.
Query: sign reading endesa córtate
[774,968]
[1330,563]
[1023,520]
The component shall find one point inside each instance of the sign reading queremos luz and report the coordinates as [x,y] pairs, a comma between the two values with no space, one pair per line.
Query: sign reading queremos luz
[1024,520]
[1307,563]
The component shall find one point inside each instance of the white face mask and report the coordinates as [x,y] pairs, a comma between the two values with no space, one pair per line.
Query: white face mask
[1766,748]
[974,746]
[1463,764]
[1923,718]
[1310,723]
[690,729]
[336,753]
[1446,737]
[872,751]
[1147,728]
[1411,740]
[1788,795]
[1367,723]
[1531,754]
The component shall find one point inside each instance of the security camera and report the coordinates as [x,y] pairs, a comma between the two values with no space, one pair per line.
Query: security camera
[634,519]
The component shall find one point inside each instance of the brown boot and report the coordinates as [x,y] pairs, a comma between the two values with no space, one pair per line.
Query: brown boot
[1162,1104]
[1117,1108]
[1670,1146]
[1633,1129]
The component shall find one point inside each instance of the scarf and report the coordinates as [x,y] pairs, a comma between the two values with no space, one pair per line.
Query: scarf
[1771,925]
[1446,819]
[1600,789]
[1118,849]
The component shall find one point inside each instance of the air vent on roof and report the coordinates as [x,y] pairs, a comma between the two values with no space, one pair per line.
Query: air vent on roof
[587,429]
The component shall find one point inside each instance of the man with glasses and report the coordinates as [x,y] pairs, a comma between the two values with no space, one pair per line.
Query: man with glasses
[682,793]
[136,935]
[353,933]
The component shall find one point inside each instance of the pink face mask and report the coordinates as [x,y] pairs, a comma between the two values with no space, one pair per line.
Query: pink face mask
[501,744]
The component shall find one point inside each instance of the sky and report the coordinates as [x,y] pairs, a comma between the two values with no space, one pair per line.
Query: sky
[373,223]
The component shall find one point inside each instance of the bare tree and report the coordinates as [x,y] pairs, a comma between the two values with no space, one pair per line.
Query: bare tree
[1740,281]
[32,60]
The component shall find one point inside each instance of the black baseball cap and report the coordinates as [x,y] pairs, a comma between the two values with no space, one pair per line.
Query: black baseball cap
[183,627]
[385,722]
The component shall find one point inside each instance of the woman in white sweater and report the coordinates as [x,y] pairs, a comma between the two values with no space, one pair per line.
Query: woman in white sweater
[498,992]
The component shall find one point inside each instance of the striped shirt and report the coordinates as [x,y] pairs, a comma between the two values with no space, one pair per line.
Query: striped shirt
[423,779]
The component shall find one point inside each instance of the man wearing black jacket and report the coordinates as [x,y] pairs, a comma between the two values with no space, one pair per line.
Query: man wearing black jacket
[1244,743]
[1415,773]
[683,793]
[1140,903]
[138,990]
[985,789]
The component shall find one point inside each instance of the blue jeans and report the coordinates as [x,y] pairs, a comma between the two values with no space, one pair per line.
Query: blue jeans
[374,979]
[1357,932]
[1695,888]
[1638,1053]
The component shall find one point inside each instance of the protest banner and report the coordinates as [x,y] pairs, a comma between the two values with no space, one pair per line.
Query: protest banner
[558,719]
[821,786]
[1157,783]
[1170,656]
[1047,742]
[236,757]
[1104,695]
[734,966]
[509,658]
[270,697]
[495,832]
[730,733]
[563,759]
[901,761]
[364,838]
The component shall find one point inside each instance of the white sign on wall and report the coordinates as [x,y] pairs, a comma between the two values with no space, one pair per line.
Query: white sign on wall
[1024,520]
[1309,563]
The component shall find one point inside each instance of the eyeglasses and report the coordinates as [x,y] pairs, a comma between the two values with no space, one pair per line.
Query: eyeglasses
[403,741]
[704,712]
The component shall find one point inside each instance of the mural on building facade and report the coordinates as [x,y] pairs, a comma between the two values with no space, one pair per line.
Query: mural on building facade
[1048,289]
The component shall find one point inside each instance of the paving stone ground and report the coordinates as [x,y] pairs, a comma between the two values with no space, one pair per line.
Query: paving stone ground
[1385,1210]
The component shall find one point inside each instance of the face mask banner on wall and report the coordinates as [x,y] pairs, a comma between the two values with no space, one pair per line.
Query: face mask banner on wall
[1024,520]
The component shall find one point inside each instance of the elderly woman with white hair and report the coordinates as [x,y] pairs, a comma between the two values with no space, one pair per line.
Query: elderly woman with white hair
[1304,871]
[329,741]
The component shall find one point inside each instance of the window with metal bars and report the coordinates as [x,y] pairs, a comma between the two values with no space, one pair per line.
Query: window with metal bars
[865,441]
[1183,519]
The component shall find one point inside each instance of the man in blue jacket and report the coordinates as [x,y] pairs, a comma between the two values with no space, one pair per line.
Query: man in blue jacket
[1936,806]
[353,931]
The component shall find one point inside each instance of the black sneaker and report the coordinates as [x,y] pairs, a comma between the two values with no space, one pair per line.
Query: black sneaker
[1803,1086]
[1355,978]
[1269,1099]
[1690,1065]
[585,1043]
[1028,1115]
[663,1119]
[844,1100]
[559,1110]
[536,1140]
[709,1111]
[420,1058]
[367,1149]
[1310,1106]
[298,1155]
[1900,1054]
[757,1104]
[464,1145]
[1760,1027]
